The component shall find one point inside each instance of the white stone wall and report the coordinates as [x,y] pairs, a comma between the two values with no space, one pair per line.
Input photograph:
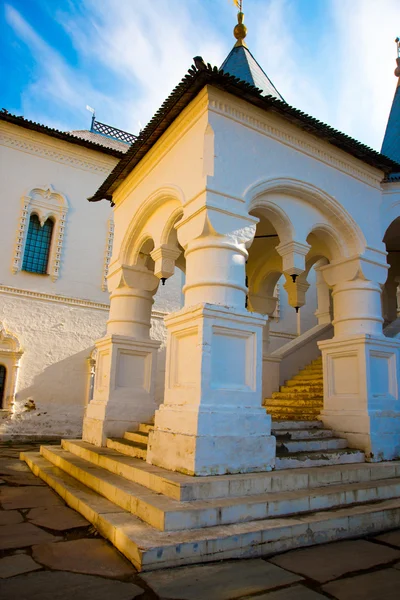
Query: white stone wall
[57,334]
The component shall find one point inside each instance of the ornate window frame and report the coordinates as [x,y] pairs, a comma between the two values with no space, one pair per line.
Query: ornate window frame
[45,202]
[10,356]
[108,251]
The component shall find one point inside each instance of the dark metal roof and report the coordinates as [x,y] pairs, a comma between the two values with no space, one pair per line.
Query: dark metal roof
[391,141]
[72,138]
[188,89]
[241,64]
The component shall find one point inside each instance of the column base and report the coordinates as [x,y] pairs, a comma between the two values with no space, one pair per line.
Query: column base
[124,393]
[212,421]
[211,455]
[361,393]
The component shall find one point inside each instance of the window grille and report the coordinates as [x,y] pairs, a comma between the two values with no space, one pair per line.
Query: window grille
[37,247]
[2,384]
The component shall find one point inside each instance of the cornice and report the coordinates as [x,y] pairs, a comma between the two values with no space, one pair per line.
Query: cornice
[30,143]
[223,104]
[82,303]
[12,291]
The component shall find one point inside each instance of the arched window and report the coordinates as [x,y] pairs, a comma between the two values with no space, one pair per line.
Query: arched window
[3,373]
[37,247]
[42,220]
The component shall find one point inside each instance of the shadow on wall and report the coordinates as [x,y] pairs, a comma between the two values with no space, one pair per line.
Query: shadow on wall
[53,405]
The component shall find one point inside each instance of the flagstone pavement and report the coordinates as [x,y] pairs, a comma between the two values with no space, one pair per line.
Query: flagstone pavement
[50,552]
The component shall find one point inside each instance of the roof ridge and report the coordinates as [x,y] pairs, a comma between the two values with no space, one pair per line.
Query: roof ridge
[56,133]
[189,87]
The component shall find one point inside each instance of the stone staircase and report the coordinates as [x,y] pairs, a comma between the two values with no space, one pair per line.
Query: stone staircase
[301,398]
[158,518]
[299,444]
[301,439]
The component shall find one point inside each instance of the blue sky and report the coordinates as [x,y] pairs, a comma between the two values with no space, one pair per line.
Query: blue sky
[333,59]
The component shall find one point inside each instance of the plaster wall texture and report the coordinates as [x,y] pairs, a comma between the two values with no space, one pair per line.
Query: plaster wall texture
[57,336]
[53,380]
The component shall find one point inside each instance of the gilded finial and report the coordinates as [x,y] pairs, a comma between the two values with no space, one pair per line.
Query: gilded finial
[240,30]
[397,69]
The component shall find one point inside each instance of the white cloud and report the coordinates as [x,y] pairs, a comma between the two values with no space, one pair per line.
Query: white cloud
[143,49]
[56,83]
[366,55]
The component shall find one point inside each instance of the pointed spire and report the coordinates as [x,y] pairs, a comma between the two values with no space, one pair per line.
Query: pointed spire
[241,63]
[391,141]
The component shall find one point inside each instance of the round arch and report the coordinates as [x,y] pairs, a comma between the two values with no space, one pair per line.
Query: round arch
[140,222]
[349,236]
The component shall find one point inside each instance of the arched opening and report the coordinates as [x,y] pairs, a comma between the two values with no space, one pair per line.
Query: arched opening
[3,375]
[391,288]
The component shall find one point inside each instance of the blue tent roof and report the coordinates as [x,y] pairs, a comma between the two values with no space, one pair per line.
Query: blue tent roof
[391,141]
[241,64]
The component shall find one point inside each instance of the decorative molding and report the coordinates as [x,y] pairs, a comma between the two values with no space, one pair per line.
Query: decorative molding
[30,145]
[10,356]
[80,302]
[12,291]
[307,144]
[108,251]
[46,203]
[9,343]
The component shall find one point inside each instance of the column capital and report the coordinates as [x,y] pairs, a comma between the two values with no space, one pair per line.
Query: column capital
[214,221]
[356,267]
[164,258]
[293,257]
[296,291]
[136,277]
[262,304]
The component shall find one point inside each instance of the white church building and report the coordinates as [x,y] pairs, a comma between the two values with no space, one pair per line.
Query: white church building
[248,345]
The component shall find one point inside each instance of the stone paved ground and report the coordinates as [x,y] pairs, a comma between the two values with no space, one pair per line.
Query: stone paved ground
[49,552]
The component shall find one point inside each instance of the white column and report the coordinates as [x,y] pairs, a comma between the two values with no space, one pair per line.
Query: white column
[124,387]
[323,312]
[361,365]
[212,421]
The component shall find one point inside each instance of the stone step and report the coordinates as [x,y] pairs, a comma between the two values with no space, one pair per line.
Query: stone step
[149,549]
[185,487]
[166,514]
[310,445]
[299,403]
[279,425]
[312,369]
[146,427]
[140,437]
[298,395]
[281,410]
[293,383]
[127,447]
[299,460]
[301,388]
[307,377]
[300,434]
[275,413]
